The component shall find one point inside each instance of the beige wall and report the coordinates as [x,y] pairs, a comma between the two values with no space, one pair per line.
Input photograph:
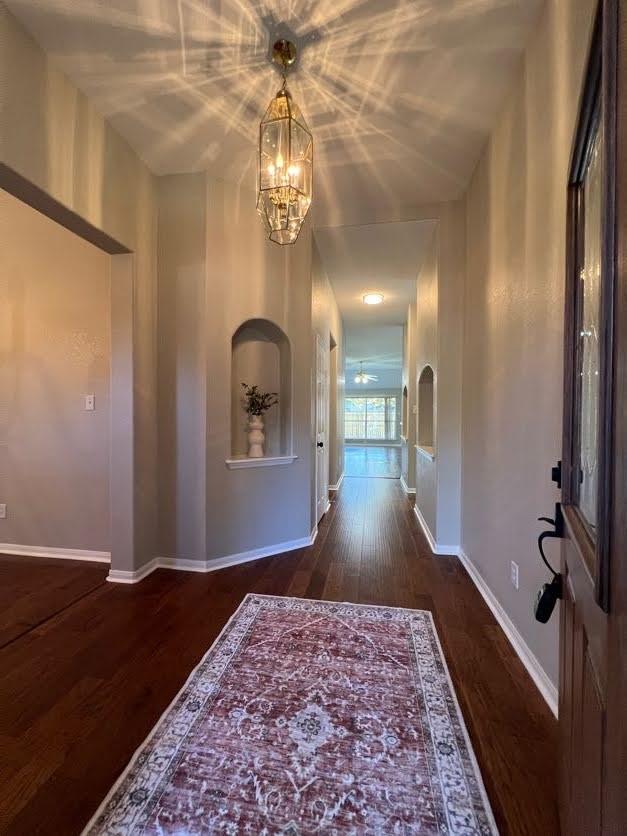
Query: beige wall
[327,322]
[439,311]
[427,354]
[55,349]
[249,277]
[408,457]
[217,270]
[182,271]
[52,136]
[512,369]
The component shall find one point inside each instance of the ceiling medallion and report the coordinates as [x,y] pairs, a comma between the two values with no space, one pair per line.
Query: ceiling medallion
[285,165]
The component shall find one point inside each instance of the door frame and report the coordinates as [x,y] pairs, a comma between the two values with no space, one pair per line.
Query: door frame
[593,631]
[320,349]
[600,85]
[123,439]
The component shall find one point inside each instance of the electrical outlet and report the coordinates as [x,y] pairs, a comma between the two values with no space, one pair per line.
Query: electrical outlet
[514,575]
[3,511]
[90,403]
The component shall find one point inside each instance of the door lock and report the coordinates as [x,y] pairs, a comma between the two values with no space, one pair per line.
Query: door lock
[320,444]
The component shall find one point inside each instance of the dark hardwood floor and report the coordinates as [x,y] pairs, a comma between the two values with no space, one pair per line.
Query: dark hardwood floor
[89,666]
[366,460]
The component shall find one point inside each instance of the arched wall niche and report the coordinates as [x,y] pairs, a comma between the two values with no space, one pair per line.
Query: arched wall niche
[405,414]
[426,410]
[261,354]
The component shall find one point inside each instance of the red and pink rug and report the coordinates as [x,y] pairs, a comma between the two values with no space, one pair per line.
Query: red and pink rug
[308,717]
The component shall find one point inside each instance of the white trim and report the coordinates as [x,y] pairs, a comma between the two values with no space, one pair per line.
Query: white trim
[435,547]
[338,484]
[264,461]
[408,491]
[524,653]
[426,452]
[56,552]
[133,575]
[185,565]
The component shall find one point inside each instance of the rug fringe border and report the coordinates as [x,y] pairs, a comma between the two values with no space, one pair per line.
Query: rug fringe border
[484,795]
[92,821]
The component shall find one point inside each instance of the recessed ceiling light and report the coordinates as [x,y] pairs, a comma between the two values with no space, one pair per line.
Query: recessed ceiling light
[373,298]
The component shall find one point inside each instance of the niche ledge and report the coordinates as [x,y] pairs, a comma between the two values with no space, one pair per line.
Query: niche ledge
[241,462]
[427,452]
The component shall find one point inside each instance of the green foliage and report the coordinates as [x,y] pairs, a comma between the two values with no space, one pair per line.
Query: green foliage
[258,402]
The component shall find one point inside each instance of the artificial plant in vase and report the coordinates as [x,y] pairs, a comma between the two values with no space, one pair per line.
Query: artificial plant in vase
[257,403]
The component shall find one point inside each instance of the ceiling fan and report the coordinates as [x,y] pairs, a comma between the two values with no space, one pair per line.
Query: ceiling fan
[362,377]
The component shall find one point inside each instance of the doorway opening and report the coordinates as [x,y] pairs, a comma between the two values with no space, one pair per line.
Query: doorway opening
[116,543]
[373,403]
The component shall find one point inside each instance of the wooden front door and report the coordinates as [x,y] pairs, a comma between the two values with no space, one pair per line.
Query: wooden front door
[594,465]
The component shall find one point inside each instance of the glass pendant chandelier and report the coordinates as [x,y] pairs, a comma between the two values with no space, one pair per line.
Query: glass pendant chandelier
[285,165]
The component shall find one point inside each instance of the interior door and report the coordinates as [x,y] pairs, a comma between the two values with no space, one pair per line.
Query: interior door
[591,468]
[322,424]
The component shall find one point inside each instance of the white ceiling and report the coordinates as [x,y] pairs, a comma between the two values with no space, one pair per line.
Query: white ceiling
[374,257]
[380,347]
[400,94]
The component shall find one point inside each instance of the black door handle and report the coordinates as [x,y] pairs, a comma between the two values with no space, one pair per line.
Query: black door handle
[550,592]
[558,532]
[320,444]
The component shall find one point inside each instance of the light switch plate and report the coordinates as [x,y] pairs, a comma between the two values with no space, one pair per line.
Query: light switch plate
[3,511]
[90,403]
[514,574]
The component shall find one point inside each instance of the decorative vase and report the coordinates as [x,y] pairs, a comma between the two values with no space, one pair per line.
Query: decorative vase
[256,437]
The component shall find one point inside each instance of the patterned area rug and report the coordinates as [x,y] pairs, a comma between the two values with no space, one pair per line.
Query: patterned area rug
[308,717]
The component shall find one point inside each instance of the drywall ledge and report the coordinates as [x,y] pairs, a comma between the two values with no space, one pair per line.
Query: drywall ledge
[426,452]
[264,461]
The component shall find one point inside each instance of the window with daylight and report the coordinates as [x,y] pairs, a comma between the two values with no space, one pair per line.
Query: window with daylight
[371,418]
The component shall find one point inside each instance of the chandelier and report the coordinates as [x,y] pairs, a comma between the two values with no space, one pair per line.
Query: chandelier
[285,165]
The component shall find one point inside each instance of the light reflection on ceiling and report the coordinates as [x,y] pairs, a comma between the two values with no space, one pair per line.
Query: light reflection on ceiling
[400,94]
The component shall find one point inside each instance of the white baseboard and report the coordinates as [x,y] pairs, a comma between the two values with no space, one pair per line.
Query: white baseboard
[56,552]
[185,565]
[338,484]
[134,575]
[435,547]
[526,656]
[408,491]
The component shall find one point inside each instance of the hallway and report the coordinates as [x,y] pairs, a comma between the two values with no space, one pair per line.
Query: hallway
[364,460]
[117,655]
